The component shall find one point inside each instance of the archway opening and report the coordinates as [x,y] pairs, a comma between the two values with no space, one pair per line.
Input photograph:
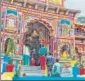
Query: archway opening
[37,34]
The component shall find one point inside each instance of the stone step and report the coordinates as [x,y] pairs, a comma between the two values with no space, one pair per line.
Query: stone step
[31,67]
[25,66]
[31,70]
[32,74]
[40,73]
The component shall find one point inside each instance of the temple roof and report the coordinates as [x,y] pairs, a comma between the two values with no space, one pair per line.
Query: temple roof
[53,5]
[52,2]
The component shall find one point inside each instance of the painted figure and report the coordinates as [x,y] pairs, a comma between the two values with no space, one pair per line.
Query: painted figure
[64,55]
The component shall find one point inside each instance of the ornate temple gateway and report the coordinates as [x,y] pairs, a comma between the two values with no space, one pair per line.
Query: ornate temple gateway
[51,24]
[30,23]
[30,29]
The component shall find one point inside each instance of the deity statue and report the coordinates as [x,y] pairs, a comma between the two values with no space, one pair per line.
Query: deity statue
[65,52]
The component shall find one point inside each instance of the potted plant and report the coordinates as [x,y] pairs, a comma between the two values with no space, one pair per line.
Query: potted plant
[10,66]
[82,70]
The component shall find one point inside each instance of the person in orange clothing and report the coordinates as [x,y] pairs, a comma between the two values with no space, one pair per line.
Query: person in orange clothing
[42,62]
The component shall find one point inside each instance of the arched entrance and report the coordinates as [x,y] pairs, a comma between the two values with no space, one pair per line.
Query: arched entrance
[9,46]
[36,35]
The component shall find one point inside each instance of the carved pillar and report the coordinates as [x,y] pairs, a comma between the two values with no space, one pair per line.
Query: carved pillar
[25,2]
[12,1]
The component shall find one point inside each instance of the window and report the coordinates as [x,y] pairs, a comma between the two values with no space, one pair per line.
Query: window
[11,23]
[79,31]
[64,28]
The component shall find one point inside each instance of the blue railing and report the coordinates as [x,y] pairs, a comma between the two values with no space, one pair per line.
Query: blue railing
[48,78]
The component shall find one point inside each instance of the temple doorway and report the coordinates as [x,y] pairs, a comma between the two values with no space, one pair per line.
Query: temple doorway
[36,35]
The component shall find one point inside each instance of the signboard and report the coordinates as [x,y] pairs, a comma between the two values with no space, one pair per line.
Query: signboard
[67,72]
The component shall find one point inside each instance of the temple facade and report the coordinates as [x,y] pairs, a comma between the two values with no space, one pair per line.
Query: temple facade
[32,23]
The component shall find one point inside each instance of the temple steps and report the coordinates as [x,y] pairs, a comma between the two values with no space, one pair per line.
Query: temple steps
[31,71]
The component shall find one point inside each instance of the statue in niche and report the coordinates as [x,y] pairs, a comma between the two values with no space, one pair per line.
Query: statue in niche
[65,51]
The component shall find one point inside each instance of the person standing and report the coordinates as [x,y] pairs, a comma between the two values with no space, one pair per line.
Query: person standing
[75,70]
[56,68]
[26,55]
[32,61]
[50,62]
[42,62]
[43,52]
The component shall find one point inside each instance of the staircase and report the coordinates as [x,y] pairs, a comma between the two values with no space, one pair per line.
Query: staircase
[31,71]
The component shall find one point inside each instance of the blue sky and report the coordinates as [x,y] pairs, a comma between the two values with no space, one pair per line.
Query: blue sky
[76,4]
